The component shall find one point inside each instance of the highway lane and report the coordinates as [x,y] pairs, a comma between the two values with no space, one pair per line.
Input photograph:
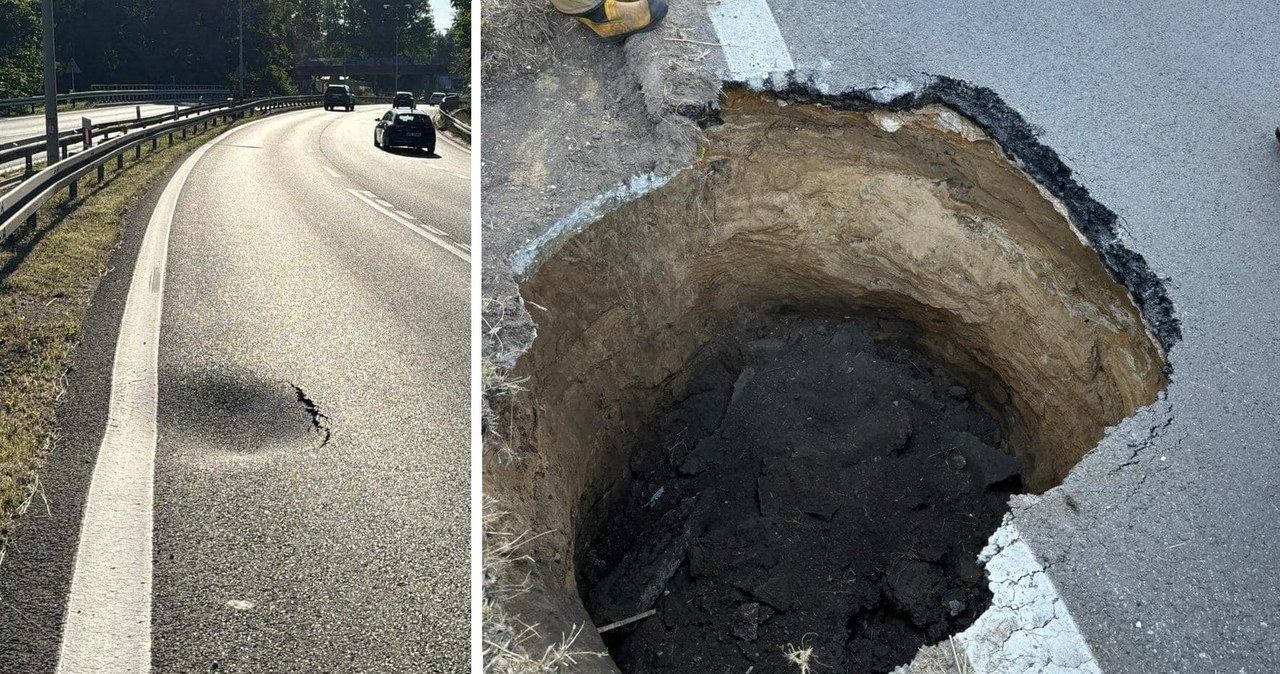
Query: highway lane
[437,187]
[353,554]
[28,126]
[311,459]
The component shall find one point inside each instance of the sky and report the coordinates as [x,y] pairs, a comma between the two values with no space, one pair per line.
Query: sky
[442,14]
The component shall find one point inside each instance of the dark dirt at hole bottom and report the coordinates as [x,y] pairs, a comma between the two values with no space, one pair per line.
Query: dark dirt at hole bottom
[813,487]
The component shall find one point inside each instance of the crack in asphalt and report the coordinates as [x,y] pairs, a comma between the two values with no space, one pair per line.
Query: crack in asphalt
[319,421]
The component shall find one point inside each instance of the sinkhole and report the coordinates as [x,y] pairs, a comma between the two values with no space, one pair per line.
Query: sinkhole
[781,401]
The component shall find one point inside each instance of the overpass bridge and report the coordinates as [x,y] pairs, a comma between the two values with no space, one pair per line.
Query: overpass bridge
[380,72]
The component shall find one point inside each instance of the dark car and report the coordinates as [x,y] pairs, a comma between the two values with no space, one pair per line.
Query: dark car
[403,99]
[339,96]
[436,98]
[450,102]
[406,128]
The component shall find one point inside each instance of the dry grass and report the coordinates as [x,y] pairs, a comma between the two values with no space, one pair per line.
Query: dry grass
[800,657]
[946,657]
[48,274]
[499,386]
[517,34]
[507,640]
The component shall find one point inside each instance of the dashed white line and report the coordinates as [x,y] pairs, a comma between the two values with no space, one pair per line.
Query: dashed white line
[331,171]
[462,251]
[753,44]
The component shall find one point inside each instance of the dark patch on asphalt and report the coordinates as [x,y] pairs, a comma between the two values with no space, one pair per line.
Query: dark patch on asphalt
[1020,142]
[815,487]
[244,413]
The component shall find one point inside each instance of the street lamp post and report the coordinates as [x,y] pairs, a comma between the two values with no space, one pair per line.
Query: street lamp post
[240,68]
[396,28]
[50,85]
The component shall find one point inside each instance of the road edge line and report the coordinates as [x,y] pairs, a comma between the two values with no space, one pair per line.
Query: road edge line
[107,625]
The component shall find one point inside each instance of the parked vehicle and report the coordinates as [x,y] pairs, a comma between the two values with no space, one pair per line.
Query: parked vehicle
[339,96]
[403,99]
[405,127]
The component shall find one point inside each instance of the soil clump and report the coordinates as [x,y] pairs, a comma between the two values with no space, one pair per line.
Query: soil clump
[811,487]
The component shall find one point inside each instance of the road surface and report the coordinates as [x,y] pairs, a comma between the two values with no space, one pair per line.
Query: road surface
[309,508]
[29,126]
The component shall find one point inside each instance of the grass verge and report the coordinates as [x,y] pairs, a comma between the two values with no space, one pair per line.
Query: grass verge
[48,275]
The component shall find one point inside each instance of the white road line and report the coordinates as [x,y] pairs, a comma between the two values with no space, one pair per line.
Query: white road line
[753,45]
[425,231]
[331,171]
[108,621]
[441,169]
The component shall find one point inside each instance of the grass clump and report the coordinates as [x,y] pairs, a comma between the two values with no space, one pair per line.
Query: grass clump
[508,642]
[517,34]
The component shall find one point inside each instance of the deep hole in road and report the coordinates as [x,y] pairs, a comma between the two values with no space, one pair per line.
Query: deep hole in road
[783,399]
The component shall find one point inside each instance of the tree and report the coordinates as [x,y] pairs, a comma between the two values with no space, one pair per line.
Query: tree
[460,36]
[20,72]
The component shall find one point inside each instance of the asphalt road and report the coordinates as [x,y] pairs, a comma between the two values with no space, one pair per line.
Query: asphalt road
[312,447]
[28,126]
[1166,114]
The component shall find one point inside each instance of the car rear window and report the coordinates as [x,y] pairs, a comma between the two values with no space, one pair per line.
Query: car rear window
[336,89]
[412,120]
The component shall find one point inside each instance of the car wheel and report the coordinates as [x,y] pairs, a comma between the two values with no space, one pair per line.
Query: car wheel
[431,151]
[375,140]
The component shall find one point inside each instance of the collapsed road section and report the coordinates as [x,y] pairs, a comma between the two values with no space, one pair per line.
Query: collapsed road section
[777,404]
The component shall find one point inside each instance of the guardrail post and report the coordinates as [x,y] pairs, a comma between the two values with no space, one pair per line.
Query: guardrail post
[184,133]
[120,162]
[101,173]
[29,169]
[138,110]
[170,139]
[137,152]
[73,189]
[153,144]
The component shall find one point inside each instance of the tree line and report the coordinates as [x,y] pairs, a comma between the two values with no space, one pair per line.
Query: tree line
[197,41]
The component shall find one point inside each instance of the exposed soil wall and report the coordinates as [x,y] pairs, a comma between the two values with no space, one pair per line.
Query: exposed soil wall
[912,223]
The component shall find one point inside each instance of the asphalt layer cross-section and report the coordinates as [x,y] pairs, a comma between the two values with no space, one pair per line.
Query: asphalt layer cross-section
[311,499]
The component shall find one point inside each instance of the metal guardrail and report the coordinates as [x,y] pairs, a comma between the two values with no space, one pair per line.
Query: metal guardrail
[447,122]
[107,94]
[29,148]
[21,204]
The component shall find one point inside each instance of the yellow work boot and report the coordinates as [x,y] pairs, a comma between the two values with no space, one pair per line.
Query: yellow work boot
[615,20]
